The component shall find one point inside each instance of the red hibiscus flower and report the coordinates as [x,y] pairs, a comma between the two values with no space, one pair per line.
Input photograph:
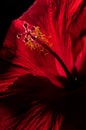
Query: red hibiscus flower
[42,68]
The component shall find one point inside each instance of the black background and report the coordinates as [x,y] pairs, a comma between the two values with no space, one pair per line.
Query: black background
[9,10]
